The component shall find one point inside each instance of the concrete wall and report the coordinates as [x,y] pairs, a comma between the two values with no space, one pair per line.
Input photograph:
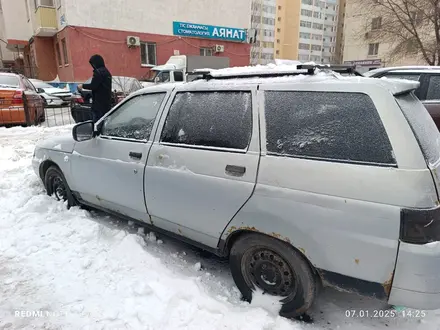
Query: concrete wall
[156,16]
[5,54]
[17,26]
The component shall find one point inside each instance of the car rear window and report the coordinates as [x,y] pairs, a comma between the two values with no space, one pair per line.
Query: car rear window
[330,126]
[424,128]
[9,81]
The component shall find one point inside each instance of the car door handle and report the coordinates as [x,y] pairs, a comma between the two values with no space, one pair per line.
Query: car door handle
[235,170]
[136,155]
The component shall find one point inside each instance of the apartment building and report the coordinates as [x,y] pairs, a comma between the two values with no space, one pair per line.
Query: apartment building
[263,23]
[362,47]
[57,37]
[307,30]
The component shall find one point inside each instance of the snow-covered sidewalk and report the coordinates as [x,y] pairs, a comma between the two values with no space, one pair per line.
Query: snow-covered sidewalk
[70,269]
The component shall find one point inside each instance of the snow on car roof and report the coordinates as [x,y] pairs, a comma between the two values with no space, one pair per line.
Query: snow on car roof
[292,75]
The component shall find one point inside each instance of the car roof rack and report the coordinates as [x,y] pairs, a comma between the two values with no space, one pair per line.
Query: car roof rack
[338,68]
[307,69]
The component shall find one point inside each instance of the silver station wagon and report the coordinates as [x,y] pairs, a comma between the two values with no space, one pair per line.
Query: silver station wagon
[301,179]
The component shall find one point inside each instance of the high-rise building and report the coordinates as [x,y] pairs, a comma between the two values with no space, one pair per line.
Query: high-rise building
[263,22]
[307,30]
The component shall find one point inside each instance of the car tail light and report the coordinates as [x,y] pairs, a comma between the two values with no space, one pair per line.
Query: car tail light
[420,226]
[77,99]
[17,98]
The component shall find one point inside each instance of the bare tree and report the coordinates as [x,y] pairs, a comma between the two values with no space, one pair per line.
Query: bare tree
[410,27]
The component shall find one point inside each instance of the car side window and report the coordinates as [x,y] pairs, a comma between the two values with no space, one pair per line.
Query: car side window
[433,92]
[332,126]
[210,119]
[406,76]
[135,118]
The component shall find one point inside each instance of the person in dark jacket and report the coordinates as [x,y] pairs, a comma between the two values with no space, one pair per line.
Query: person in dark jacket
[101,87]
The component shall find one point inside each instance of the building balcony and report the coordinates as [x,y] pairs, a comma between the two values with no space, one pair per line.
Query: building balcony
[45,22]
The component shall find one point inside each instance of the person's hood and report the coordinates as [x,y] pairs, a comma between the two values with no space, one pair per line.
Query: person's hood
[96,61]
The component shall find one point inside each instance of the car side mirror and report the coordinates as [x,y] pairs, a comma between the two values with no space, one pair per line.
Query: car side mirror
[40,90]
[84,131]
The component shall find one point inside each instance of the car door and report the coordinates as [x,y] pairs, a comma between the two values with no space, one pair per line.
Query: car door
[430,95]
[108,170]
[34,101]
[203,164]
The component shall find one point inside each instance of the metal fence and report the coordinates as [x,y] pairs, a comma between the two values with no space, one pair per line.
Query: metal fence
[30,110]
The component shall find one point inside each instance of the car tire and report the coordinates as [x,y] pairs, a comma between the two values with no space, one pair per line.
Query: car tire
[276,268]
[56,185]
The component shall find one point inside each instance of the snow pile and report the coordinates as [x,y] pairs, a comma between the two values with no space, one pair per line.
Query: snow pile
[71,269]
[59,268]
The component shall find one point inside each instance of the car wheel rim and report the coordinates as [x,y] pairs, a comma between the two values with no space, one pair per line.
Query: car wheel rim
[269,272]
[59,189]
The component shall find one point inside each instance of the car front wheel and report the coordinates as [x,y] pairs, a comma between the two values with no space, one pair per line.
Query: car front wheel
[260,262]
[56,185]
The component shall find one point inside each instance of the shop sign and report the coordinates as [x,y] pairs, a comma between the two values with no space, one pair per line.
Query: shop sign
[209,31]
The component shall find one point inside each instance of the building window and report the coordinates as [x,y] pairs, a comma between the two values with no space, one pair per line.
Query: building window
[278,41]
[376,23]
[278,30]
[57,48]
[306,12]
[373,49]
[66,56]
[205,51]
[44,3]
[279,7]
[278,52]
[306,24]
[304,46]
[148,53]
[279,19]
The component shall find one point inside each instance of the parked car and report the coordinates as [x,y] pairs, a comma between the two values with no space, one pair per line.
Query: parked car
[82,100]
[52,96]
[299,181]
[429,78]
[20,103]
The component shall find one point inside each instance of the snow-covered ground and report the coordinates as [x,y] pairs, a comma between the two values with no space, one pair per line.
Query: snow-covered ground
[71,269]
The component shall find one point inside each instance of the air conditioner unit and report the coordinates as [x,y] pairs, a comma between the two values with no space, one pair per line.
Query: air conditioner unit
[219,48]
[133,41]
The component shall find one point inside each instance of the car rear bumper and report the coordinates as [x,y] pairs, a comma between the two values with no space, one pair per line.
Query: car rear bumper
[12,116]
[416,282]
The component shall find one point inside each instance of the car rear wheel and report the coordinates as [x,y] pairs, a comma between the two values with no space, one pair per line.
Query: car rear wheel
[259,262]
[56,185]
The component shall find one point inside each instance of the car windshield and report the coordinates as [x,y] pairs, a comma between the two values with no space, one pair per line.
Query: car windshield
[9,81]
[41,84]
